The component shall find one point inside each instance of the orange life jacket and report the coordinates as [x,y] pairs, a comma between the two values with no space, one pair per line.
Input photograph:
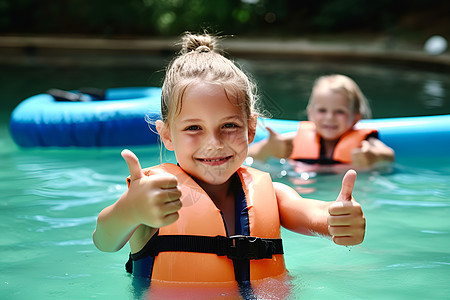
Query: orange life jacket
[307,143]
[200,217]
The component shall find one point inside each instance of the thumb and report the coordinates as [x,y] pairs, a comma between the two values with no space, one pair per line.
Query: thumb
[271,132]
[133,164]
[365,146]
[348,182]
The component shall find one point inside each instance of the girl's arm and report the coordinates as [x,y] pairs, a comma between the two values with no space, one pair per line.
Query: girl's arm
[149,203]
[276,145]
[372,152]
[301,215]
[342,219]
[115,225]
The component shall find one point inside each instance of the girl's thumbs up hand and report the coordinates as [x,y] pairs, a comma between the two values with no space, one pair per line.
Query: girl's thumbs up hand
[346,221]
[133,164]
[154,200]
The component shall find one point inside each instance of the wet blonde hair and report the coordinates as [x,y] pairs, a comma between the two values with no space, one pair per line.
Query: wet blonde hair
[357,101]
[201,61]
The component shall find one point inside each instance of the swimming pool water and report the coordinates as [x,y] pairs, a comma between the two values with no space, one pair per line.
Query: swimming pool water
[51,198]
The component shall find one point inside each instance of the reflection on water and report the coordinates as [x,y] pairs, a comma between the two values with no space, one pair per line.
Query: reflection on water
[270,288]
[434,94]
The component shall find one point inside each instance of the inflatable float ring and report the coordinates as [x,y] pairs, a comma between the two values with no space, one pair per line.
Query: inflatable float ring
[114,117]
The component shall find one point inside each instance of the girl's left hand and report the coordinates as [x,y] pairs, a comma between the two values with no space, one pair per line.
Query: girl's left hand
[346,221]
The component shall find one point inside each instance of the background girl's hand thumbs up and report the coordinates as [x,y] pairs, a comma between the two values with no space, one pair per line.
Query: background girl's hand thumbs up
[280,147]
[346,221]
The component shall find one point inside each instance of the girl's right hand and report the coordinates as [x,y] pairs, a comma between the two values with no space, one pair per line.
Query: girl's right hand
[371,152]
[154,200]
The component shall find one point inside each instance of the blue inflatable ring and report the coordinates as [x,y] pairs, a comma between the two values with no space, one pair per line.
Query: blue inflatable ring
[120,120]
[421,136]
[117,120]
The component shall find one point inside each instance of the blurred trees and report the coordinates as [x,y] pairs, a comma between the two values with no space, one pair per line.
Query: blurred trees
[243,17]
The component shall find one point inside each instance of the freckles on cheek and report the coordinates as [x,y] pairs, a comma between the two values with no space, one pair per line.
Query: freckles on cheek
[239,142]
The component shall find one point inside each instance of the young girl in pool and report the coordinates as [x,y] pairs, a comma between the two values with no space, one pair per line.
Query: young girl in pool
[329,137]
[210,219]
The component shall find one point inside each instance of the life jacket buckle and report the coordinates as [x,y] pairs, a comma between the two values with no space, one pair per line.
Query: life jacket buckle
[249,247]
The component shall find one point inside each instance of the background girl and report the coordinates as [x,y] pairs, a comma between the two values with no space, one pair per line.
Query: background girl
[335,106]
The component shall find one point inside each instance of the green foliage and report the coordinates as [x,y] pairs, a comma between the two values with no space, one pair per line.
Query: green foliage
[172,17]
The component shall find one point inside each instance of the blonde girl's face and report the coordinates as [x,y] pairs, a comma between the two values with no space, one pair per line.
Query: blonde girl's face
[210,135]
[330,111]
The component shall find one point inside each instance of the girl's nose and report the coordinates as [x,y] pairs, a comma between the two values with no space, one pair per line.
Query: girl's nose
[329,115]
[215,142]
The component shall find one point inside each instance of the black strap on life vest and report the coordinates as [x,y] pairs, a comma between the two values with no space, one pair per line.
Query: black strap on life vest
[234,247]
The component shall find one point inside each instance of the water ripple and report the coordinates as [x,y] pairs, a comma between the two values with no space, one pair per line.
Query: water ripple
[81,242]
[55,223]
[429,265]
[412,203]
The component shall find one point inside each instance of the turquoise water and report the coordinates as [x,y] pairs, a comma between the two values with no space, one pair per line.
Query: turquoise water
[51,198]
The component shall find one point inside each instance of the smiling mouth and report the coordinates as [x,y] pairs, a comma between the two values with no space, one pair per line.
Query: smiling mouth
[329,127]
[214,161]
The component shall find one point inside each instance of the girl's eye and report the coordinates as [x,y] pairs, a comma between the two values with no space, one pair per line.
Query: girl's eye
[321,110]
[230,125]
[192,128]
[341,112]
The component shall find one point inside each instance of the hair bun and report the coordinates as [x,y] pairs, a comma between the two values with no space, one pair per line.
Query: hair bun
[198,43]
[202,48]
